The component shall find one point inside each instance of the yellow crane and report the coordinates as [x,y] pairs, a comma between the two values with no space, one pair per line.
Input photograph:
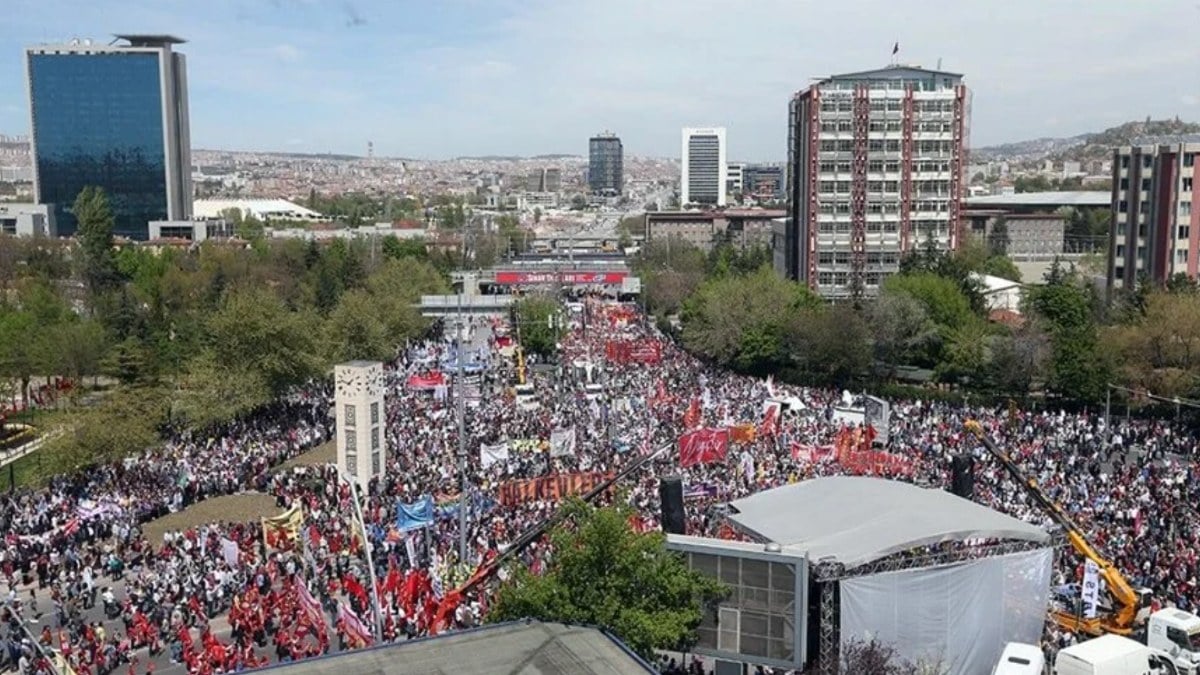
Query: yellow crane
[1131,607]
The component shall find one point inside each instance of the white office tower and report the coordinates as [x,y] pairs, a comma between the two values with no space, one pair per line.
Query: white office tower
[703,168]
[361,443]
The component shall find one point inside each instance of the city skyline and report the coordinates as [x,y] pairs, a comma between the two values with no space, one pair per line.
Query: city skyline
[438,81]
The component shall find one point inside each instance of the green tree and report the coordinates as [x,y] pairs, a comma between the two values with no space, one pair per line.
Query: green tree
[604,574]
[396,288]
[1078,370]
[211,393]
[941,297]
[829,346]
[94,232]
[395,248]
[19,354]
[254,331]
[902,331]
[356,330]
[541,324]
[741,321]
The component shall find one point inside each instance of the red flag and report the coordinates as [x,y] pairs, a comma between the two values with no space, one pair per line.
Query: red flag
[353,587]
[353,625]
[770,423]
[308,602]
[691,418]
[703,446]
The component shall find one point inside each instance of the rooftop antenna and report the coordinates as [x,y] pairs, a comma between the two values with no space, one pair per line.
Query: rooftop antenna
[939,65]
[370,149]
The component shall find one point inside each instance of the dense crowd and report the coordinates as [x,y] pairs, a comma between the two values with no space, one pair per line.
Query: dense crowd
[216,598]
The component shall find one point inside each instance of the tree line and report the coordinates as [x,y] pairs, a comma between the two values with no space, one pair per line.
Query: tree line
[193,337]
[929,325]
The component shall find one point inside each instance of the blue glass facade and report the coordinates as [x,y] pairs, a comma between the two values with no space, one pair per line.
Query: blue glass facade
[98,120]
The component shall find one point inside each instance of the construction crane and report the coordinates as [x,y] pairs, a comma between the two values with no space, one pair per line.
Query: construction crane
[1131,607]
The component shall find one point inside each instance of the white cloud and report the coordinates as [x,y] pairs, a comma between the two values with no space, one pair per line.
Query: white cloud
[286,53]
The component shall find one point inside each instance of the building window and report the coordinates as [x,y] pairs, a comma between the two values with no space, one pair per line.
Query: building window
[1147,161]
[1189,158]
[1181,256]
[825,258]
[375,435]
[825,278]
[348,414]
[1124,183]
[1123,206]
[352,464]
[1120,250]
[351,441]
[1119,272]
[1185,208]
[1187,184]
[1124,161]
[375,413]
[1145,183]
[375,464]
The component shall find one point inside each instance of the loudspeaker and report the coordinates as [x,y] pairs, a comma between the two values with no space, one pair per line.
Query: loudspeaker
[962,482]
[670,491]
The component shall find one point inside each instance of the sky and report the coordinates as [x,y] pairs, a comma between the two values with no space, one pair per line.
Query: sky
[443,78]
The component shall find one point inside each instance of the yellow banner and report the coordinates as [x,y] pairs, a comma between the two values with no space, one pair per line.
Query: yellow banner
[282,531]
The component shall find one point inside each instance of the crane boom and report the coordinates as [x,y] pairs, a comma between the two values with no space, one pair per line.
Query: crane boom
[1129,601]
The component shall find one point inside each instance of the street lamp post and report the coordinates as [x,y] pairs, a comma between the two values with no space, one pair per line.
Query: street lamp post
[367,546]
[462,441]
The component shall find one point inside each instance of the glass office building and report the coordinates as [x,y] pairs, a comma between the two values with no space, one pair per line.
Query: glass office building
[606,165]
[113,116]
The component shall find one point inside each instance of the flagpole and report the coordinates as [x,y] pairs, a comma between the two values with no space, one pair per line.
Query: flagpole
[367,548]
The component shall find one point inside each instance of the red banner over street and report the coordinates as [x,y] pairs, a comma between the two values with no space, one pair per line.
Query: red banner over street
[703,446]
[517,278]
[427,381]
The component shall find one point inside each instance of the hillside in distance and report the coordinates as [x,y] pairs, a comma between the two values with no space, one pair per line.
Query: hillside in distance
[1090,146]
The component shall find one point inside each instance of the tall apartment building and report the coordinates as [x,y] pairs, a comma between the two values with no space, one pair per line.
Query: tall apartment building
[733,178]
[1155,230]
[606,165]
[703,171]
[875,168]
[114,116]
[544,180]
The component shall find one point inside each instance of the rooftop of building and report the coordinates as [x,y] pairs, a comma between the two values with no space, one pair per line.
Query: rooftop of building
[711,214]
[1095,198]
[518,647]
[149,39]
[896,71]
[1169,139]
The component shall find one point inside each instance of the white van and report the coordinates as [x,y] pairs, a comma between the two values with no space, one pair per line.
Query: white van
[1020,658]
[1111,655]
[526,397]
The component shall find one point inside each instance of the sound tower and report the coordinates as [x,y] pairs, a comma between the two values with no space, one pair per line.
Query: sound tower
[962,481]
[670,492]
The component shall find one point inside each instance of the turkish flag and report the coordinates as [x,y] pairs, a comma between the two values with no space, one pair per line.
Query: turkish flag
[703,446]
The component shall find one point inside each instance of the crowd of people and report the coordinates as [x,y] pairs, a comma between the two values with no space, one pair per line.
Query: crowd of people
[85,585]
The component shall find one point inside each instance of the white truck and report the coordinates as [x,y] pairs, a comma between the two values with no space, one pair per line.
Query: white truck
[1020,658]
[1112,655]
[1175,634]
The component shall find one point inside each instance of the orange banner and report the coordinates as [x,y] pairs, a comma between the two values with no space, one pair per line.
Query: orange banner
[742,433]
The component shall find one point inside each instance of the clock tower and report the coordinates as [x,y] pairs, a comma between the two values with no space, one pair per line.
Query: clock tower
[359,403]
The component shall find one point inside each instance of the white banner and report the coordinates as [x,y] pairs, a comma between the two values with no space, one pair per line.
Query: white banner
[410,549]
[229,549]
[493,454]
[562,442]
[1090,592]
